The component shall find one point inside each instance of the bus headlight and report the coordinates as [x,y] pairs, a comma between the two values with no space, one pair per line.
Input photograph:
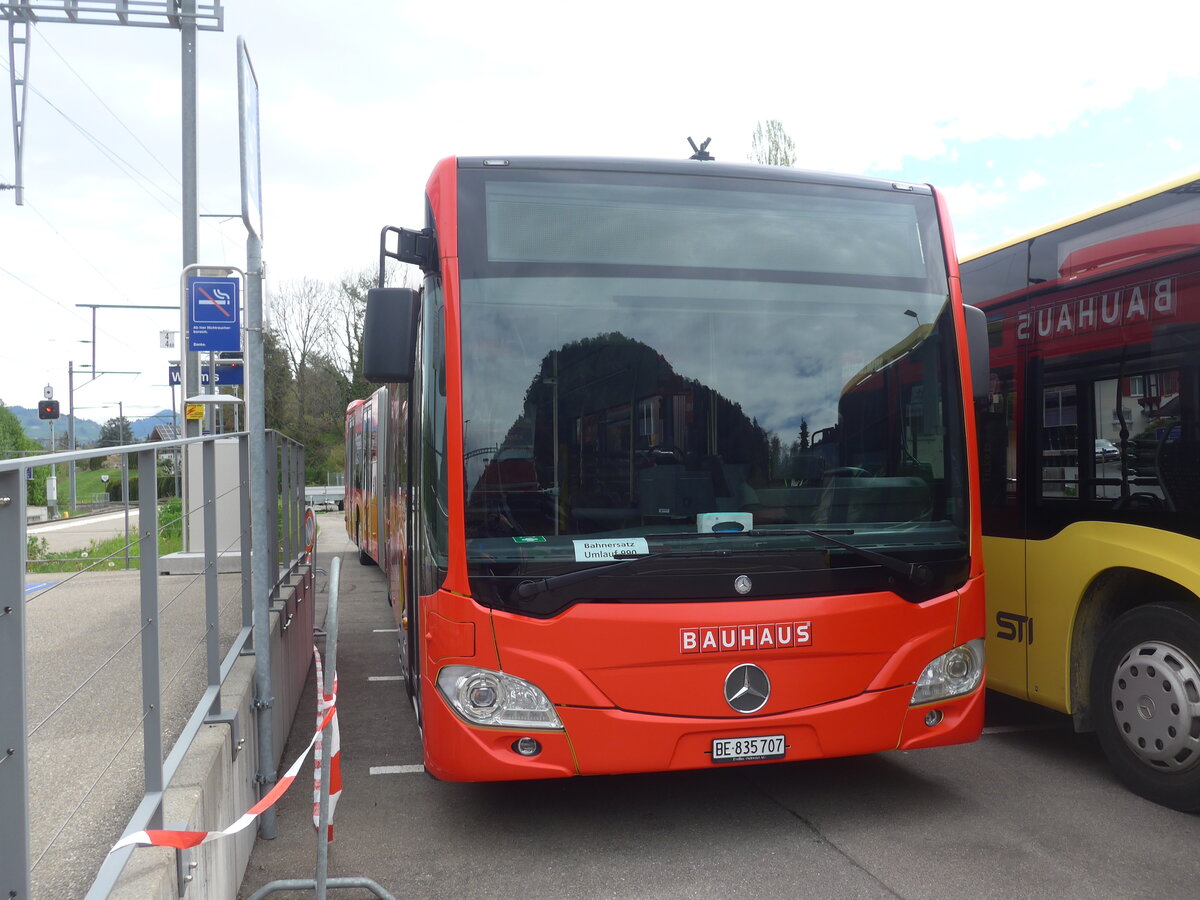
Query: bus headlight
[952,674]
[484,697]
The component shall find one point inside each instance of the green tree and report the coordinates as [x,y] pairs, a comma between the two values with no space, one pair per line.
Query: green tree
[277,382]
[303,316]
[351,304]
[13,443]
[12,437]
[115,433]
[771,145]
[350,309]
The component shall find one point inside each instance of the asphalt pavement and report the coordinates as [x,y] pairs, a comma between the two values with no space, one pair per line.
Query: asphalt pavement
[1029,811]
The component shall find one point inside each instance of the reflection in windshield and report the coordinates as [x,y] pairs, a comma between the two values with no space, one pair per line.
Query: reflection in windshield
[617,407]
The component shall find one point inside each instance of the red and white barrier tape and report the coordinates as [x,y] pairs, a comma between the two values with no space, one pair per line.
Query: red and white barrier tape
[325,702]
[182,840]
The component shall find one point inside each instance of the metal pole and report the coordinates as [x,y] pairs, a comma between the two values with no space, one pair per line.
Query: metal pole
[178,460]
[212,598]
[189,361]
[18,36]
[71,428]
[14,764]
[125,499]
[152,742]
[261,513]
[244,533]
[331,641]
[187,32]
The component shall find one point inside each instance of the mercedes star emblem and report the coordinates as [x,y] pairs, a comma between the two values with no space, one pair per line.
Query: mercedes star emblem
[747,688]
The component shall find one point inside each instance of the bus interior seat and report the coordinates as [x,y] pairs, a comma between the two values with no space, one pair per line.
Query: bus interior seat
[675,492]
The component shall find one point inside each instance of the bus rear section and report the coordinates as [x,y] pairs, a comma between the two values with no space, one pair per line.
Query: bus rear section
[1090,451]
[365,488]
[686,469]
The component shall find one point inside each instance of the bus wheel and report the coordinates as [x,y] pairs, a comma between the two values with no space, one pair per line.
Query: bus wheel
[1146,697]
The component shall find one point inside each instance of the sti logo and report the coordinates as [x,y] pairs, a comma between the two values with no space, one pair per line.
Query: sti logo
[732,638]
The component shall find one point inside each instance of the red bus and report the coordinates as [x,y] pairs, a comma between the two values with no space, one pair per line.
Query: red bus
[1090,461]
[680,468]
[364,450]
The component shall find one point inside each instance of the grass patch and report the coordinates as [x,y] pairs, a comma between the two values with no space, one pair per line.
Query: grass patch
[109,554]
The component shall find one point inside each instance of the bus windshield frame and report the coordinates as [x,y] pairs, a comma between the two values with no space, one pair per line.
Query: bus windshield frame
[705,370]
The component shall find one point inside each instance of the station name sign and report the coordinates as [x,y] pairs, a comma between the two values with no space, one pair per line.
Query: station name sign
[1129,305]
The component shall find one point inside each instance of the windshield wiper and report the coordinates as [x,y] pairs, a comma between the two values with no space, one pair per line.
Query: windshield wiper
[918,574]
[527,589]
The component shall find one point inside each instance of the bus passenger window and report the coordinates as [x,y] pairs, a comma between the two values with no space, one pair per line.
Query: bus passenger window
[1060,442]
[1118,418]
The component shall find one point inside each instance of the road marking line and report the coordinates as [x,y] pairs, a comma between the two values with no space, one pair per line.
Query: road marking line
[385,678]
[386,630]
[397,770]
[64,524]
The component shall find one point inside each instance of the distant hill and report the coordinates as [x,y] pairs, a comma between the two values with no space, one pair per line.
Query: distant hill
[87,432]
[141,428]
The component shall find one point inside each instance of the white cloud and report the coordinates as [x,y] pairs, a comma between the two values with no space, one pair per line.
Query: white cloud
[1031,181]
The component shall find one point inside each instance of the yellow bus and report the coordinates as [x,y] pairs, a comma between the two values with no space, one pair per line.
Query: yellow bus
[1090,479]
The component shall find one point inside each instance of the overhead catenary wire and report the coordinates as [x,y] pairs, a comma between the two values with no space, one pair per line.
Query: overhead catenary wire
[110,111]
[173,204]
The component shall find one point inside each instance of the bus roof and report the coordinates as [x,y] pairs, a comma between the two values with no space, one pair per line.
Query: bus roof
[687,167]
[1177,182]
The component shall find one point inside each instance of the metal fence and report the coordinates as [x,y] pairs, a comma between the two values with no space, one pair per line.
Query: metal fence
[108,675]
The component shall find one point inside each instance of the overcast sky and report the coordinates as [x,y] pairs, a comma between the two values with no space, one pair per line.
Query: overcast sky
[1024,114]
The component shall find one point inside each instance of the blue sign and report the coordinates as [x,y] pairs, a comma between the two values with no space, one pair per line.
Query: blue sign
[227,374]
[214,314]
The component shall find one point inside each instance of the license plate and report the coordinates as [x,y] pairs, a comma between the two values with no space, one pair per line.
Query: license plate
[748,749]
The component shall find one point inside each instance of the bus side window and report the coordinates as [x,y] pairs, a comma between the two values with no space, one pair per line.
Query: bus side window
[1060,442]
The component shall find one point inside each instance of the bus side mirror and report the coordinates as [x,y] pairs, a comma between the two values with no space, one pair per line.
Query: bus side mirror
[977,347]
[390,335]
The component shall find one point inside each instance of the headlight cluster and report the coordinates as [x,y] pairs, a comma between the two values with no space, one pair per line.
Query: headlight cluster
[952,674]
[484,697]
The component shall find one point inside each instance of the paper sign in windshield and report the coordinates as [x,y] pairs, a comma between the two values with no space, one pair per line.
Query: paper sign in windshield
[610,549]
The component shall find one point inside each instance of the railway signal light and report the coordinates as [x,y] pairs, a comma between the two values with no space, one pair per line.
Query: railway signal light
[47,409]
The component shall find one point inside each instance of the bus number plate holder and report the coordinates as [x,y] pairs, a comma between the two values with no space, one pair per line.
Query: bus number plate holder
[748,749]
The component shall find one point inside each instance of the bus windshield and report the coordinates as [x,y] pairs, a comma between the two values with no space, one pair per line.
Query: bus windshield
[655,368]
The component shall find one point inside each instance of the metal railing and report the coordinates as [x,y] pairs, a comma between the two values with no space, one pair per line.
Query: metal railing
[78,650]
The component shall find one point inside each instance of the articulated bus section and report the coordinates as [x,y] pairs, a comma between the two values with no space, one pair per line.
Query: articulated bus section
[365,491]
[1090,479]
[649,498]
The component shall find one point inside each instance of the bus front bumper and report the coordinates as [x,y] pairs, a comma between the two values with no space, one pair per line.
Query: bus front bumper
[612,741]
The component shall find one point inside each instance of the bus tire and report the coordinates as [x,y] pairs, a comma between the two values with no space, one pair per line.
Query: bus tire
[1145,685]
[364,558]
